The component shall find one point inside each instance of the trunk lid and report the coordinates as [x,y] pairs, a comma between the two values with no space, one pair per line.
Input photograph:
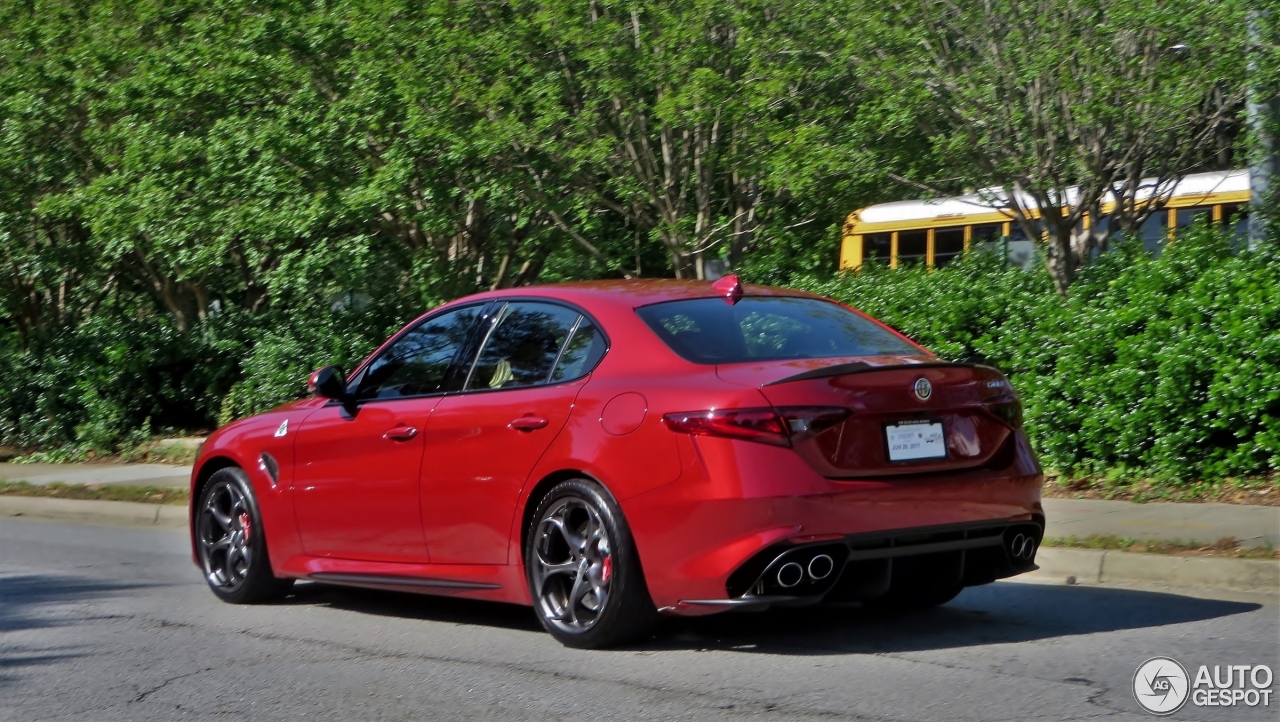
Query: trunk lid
[911,414]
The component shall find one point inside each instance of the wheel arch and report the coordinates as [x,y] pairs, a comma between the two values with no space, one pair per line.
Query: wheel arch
[540,490]
[208,468]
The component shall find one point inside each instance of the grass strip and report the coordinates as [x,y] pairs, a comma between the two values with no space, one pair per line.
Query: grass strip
[1225,547]
[96,492]
[1256,490]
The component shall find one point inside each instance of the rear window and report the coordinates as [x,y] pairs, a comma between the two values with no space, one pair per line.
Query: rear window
[710,331]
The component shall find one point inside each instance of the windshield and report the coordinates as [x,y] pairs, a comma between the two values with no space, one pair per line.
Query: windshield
[710,331]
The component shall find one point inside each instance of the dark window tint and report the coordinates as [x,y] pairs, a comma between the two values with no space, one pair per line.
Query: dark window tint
[1017,233]
[1236,216]
[948,243]
[580,355]
[418,362]
[523,346]
[912,247]
[1155,230]
[1189,216]
[710,331]
[986,233]
[876,247]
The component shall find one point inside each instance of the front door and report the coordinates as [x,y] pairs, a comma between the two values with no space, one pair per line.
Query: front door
[482,444]
[356,490]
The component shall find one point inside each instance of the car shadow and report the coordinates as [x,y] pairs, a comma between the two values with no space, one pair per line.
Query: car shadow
[25,599]
[994,614]
[999,613]
[34,602]
[406,605]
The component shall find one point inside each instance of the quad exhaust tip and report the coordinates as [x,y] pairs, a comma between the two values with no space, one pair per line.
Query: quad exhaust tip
[1022,547]
[790,574]
[820,567]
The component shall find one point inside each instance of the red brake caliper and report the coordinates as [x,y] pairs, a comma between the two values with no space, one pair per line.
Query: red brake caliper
[245,526]
[606,569]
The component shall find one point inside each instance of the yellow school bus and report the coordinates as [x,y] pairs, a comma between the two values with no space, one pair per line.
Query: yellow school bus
[935,232]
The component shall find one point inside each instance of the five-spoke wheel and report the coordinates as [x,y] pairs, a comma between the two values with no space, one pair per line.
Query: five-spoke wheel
[584,574]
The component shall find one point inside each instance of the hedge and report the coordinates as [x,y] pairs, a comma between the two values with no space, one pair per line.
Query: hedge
[1163,367]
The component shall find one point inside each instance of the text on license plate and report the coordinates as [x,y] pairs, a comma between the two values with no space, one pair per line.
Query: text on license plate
[911,440]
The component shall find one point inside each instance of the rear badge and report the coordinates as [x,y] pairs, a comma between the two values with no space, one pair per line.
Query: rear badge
[923,389]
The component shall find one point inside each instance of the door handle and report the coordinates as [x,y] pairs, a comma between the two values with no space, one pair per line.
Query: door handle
[528,423]
[401,433]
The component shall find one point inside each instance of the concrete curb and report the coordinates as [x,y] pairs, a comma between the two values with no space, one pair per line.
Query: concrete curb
[1093,566]
[164,516]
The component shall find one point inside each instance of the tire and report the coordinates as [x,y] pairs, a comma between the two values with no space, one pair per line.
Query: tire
[230,542]
[583,570]
[913,599]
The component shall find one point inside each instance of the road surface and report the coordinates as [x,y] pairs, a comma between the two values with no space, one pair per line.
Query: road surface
[105,623]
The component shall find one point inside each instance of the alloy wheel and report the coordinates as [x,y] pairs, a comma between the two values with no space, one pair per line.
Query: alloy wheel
[224,532]
[573,565]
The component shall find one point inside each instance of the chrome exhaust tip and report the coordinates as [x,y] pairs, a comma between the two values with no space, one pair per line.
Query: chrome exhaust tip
[790,574]
[1022,546]
[820,567]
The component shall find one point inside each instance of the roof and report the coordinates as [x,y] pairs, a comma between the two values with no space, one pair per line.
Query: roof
[636,292]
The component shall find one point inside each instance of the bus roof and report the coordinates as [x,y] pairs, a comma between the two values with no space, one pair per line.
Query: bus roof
[994,200]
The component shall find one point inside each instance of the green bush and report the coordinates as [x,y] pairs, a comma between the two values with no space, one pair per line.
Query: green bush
[1163,367]
[110,380]
[276,367]
[122,376]
[1166,367]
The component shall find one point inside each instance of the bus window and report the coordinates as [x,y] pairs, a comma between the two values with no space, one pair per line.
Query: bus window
[1236,216]
[1154,231]
[876,247]
[1020,250]
[985,237]
[912,246]
[948,244]
[1188,216]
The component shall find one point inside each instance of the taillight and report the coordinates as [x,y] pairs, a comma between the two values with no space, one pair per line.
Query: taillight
[1006,408]
[784,426]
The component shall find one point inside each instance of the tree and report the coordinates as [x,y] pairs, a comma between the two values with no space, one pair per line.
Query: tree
[1066,105]
[691,123]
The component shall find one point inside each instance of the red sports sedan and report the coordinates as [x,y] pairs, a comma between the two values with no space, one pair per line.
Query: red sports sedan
[608,452]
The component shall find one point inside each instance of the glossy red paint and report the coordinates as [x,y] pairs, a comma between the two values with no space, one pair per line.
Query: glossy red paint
[356,494]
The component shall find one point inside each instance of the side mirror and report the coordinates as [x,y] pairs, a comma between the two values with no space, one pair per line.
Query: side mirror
[328,383]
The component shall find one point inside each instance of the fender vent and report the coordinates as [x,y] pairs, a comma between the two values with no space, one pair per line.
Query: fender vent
[267,463]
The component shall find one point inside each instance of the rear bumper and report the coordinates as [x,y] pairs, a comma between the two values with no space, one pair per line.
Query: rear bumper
[865,566]
[739,505]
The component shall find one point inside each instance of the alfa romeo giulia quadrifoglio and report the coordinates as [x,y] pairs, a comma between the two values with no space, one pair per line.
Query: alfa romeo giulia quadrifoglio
[614,451]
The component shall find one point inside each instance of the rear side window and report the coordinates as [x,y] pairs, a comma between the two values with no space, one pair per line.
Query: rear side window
[580,355]
[524,346]
[710,331]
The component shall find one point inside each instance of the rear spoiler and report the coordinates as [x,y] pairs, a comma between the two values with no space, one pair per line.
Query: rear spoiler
[862,367]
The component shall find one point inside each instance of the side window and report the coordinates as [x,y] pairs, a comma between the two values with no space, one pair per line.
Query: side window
[417,363]
[580,355]
[523,347]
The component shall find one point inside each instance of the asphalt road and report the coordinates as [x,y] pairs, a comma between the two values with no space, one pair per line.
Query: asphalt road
[103,623]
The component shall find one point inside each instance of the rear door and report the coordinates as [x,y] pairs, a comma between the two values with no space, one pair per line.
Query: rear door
[482,444]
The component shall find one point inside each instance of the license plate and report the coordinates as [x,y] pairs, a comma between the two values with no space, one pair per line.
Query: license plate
[911,440]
